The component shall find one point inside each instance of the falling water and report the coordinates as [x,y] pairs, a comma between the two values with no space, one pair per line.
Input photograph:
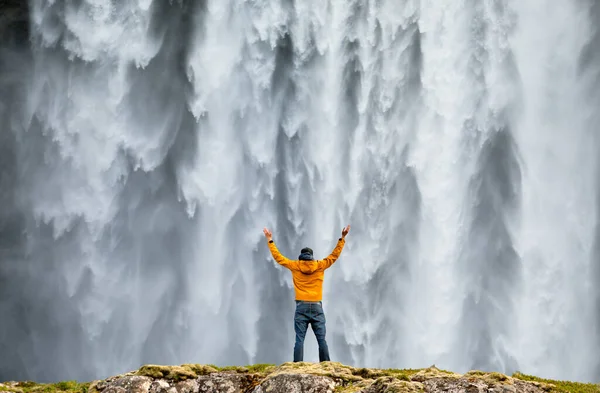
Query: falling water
[145,144]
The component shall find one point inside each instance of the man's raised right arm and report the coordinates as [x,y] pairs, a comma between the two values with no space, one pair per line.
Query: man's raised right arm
[335,254]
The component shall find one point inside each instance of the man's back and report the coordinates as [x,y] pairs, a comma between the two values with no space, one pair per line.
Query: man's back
[308,275]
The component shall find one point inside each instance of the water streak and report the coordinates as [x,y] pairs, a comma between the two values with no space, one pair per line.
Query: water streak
[146,143]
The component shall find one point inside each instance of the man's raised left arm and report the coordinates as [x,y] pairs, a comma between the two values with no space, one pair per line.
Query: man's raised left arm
[279,258]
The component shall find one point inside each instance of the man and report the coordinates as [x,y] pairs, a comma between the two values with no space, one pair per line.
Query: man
[308,283]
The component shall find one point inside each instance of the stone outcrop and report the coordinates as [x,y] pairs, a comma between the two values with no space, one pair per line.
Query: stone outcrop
[325,377]
[309,378]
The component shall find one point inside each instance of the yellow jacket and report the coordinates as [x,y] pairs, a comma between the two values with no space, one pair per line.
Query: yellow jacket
[308,275]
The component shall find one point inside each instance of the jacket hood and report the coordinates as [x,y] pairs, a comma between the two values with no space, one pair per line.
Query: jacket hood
[308,267]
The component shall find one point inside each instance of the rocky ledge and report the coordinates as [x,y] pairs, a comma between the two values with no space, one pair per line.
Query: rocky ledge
[302,378]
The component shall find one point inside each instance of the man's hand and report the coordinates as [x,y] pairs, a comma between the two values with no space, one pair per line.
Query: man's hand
[345,231]
[268,234]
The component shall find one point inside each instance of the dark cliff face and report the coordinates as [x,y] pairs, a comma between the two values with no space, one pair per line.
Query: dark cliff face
[15,66]
[14,22]
[15,61]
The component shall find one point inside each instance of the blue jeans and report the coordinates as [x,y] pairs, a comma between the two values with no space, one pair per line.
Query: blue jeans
[310,313]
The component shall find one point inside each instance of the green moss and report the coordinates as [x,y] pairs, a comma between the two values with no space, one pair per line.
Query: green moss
[489,377]
[175,373]
[353,387]
[350,388]
[401,374]
[254,368]
[32,387]
[199,369]
[337,371]
[26,384]
[261,368]
[370,373]
[232,368]
[560,386]
[393,385]
[430,373]
[191,371]
[350,379]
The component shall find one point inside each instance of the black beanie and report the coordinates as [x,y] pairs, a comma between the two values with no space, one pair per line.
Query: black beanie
[306,250]
[306,254]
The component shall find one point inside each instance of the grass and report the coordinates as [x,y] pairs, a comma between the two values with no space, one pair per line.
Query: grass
[59,387]
[261,368]
[489,377]
[254,368]
[175,373]
[561,386]
[348,388]
[369,373]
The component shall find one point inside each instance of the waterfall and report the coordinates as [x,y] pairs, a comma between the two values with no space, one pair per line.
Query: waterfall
[145,144]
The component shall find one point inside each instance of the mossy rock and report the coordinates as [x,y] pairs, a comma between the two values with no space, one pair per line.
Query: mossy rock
[261,368]
[393,385]
[432,372]
[350,379]
[32,387]
[559,386]
[190,371]
[337,371]
[373,373]
[175,373]
[491,378]
[352,387]
[253,369]
[199,369]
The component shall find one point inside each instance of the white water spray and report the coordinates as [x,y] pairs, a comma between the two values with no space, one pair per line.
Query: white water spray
[158,139]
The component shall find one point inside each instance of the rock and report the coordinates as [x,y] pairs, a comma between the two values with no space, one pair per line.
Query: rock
[176,373]
[327,377]
[431,373]
[6,387]
[482,383]
[179,379]
[391,384]
[162,386]
[227,382]
[296,383]
[126,384]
